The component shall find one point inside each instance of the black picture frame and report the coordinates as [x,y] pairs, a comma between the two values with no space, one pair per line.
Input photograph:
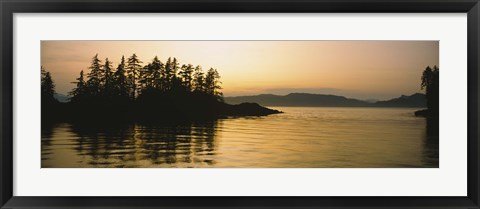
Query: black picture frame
[9,7]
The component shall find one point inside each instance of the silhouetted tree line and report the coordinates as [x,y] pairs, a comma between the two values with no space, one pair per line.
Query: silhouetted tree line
[48,87]
[153,92]
[130,80]
[48,102]
[430,82]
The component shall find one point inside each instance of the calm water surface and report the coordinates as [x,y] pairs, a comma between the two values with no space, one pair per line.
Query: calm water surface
[302,137]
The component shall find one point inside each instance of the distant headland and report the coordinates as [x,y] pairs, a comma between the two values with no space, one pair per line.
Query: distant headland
[325,100]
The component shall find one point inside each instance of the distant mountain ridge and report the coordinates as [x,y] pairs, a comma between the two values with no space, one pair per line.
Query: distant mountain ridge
[414,100]
[326,100]
[61,97]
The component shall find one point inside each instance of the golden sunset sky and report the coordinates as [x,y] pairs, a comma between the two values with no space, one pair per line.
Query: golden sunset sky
[356,69]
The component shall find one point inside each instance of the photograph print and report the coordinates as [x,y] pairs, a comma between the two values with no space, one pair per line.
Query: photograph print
[239,104]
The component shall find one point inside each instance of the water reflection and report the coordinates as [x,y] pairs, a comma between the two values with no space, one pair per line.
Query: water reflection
[431,142]
[133,145]
[46,144]
[300,138]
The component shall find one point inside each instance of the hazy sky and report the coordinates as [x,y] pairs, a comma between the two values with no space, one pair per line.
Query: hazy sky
[357,69]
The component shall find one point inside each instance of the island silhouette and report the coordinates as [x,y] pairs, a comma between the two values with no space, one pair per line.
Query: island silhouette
[154,92]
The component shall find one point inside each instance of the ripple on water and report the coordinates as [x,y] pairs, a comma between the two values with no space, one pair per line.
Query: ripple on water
[300,137]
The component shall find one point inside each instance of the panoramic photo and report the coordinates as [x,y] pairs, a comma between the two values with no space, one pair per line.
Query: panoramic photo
[239,104]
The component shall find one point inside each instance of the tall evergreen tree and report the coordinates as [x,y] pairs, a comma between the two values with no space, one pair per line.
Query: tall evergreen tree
[198,79]
[47,86]
[79,93]
[430,82]
[144,80]
[120,80]
[171,68]
[185,74]
[175,65]
[212,83]
[158,69]
[133,67]
[168,74]
[150,74]
[175,80]
[94,83]
[107,78]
